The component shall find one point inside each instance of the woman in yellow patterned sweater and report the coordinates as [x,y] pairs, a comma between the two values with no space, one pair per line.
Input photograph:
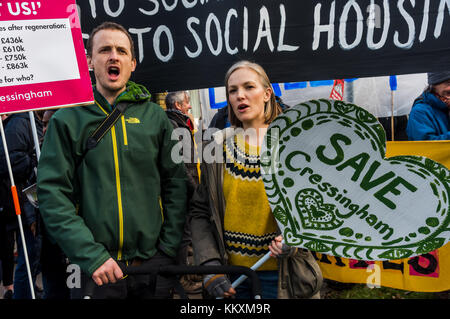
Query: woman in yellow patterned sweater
[231,217]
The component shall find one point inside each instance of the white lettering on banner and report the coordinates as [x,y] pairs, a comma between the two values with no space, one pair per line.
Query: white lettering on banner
[189,53]
[319,28]
[411,27]
[212,18]
[231,13]
[156,43]
[117,12]
[139,33]
[93,8]
[371,27]
[440,18]
[374,20]
[345,21]
[281,45]
[170,8]
[188,4]
[153,11]
[245,31]
[264,29]
[424,27]
[343,25]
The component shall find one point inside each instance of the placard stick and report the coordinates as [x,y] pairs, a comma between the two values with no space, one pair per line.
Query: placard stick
[17,208]
[258,264]
[35,136]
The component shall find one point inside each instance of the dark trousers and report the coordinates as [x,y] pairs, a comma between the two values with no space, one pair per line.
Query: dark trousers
[137,286]
[54,270]
[7,254]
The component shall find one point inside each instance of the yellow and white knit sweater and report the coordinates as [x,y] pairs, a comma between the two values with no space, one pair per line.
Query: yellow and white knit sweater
[249,224]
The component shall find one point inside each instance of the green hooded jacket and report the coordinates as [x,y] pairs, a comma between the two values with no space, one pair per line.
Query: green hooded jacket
[127,197]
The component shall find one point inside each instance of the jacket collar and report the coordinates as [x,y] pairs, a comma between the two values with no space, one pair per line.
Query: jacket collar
[432,100]
[134,93]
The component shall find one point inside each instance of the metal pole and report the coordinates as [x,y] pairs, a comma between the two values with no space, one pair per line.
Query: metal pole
[17,207]
[35,136]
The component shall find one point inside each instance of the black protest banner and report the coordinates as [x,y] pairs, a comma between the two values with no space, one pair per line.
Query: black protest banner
[189,44]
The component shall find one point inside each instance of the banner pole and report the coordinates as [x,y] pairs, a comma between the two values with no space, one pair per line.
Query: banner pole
[392,115]
[35,136]
[17,208]
[393,86]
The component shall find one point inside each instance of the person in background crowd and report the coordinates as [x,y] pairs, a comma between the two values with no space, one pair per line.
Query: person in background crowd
[6,240]
[122,201]
[22,154]
[178,106]
[220,119]
[231,219]
[429,117]
[46,118]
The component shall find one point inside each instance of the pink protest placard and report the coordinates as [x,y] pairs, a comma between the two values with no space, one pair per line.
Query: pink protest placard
[42,56]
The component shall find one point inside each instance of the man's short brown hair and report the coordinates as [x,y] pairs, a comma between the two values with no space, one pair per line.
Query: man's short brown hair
[109,26]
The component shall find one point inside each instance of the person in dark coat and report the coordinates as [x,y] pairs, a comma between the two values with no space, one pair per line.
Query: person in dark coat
[22,155]
[178,106]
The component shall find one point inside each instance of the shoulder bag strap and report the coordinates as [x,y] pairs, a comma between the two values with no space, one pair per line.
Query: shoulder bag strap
[102,129]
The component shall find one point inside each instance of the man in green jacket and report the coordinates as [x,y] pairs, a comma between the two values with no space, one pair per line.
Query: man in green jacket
[124,200]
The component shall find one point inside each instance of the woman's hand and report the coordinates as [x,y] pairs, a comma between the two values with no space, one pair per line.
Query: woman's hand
[279,249]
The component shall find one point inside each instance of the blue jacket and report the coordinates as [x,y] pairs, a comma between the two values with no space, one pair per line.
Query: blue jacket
[429,119]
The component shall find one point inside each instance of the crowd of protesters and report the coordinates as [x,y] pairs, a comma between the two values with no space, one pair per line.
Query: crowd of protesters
[110,195]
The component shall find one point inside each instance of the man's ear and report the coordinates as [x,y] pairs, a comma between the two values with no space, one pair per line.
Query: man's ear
[89,61]
[178,106]
[133,66]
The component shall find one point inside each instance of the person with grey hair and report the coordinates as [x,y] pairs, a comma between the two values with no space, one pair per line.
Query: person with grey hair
[429,118]
[177,110]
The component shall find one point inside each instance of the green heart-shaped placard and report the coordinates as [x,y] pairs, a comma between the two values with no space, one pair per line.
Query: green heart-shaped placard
[332,190]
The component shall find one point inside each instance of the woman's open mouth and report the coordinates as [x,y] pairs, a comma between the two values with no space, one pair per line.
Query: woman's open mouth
[242,107]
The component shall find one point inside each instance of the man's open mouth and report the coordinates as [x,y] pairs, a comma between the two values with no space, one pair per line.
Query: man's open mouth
[113,72]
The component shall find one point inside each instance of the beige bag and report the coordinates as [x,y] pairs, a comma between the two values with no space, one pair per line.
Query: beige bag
[300,277]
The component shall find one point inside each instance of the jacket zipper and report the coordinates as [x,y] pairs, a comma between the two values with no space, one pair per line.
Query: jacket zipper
[124,129]
[119,193]
[118,188]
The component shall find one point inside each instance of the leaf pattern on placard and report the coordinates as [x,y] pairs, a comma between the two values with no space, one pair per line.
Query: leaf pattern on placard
[430,246]
[280,214]
[398,253]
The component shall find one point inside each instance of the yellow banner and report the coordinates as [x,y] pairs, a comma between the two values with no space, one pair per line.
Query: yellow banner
[426,273]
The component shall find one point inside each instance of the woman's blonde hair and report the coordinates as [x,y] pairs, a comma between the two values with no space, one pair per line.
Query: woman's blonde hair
[271,110]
